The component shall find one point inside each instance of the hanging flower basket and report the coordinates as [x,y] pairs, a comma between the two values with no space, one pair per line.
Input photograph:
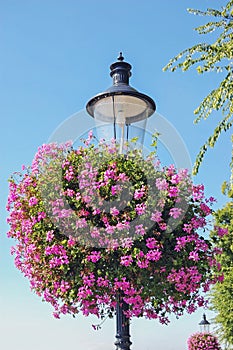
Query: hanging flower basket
[91,223]
[203,341]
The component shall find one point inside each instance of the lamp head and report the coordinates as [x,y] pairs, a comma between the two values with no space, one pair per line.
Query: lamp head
[121,97]
[204,324]
[122,106]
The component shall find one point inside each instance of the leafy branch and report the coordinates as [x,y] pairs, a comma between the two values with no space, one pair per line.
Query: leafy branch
[216,57]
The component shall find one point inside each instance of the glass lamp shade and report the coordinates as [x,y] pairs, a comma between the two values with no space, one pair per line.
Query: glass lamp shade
[120,108]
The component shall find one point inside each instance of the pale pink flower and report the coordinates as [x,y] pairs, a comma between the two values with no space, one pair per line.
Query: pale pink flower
[175,212]
[139,230]
[161,184]
[49,236]
[139,193]
[114,211]
[140,208]
[163,226]
[156,216]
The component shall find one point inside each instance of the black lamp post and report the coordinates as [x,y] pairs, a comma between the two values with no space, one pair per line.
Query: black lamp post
[204,325]
[119,107]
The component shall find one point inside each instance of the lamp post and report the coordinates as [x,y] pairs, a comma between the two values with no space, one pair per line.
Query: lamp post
[121,107]
[204,325]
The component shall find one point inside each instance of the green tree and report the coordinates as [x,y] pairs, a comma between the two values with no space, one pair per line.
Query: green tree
[222,293]
[214,56]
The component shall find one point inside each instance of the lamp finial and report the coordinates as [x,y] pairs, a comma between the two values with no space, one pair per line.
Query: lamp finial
[120,58]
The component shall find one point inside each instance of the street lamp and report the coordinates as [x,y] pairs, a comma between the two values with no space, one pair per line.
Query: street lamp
[204,325]
[119,107]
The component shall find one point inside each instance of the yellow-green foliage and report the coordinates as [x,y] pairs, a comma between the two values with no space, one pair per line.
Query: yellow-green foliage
[214,56]
[222,293]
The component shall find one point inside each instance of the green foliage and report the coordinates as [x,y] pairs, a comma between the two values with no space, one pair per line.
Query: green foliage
[222,293]
[215,56]
[227,187]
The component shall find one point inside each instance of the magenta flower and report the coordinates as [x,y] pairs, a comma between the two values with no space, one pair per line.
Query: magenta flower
[115,189]
[94,256]
[139,193]
[32,201]
[221,231]
[154,255]
[50,236]
[114,211]
[194,256]
[180,243]
[173,191]
[151,243]
[162,226]
[140,208]
[198,192]
[41,215]
[205,208]
[126,260]
[70,192]
[175,179]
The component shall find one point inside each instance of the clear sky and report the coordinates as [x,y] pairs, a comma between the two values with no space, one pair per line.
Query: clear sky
[55,55]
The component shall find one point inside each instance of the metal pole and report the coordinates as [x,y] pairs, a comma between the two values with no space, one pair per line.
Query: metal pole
[122,325]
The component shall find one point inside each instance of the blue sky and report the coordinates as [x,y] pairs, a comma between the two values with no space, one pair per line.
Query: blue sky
[55,56]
